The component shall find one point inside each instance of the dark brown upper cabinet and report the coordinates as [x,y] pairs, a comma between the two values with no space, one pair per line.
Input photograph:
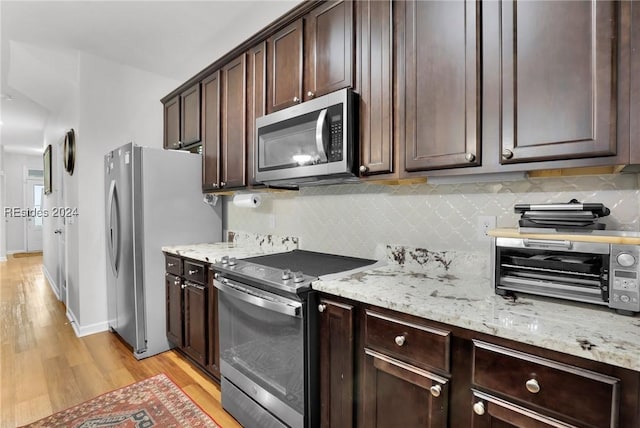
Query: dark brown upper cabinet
[234,124]
[439,67]
[256,101]
[374,74]
[312,56]
[182,119]
[635,84]
[172,123]
[558,82]
[211,132]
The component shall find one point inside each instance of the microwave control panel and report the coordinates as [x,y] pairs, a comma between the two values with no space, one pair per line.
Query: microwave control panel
[625,282]
[336,139]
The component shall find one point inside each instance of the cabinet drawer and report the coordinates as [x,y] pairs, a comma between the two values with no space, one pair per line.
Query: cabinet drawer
[173,264]
[195,272]
[583,396]
[417,344]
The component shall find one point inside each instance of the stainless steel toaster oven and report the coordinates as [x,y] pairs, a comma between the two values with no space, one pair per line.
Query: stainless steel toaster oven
[593,272]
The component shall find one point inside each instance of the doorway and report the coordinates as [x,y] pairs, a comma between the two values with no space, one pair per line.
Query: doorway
[34,192]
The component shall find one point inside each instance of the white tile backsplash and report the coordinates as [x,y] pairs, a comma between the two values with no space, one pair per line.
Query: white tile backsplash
[352,219]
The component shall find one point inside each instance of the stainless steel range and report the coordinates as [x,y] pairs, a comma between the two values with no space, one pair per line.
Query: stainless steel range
[268,335]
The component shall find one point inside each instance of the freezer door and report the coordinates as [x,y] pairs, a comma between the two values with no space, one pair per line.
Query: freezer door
[125,300]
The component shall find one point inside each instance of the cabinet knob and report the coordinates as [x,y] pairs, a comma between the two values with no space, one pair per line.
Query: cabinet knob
[436,390]
[296,99]
[215,185]
[507,154]
[222,184]
[310,94]
[363,169]
[478,408]
[177,282]
[322,307]
[216,275]
[400,340]
[470,157]
[183,286]
[532,386]
[179,144]
[193,272]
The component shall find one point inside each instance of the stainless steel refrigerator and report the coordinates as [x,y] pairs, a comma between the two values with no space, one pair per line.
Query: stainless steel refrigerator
[153,198]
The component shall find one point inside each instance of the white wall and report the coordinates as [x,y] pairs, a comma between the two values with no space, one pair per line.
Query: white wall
[14,167]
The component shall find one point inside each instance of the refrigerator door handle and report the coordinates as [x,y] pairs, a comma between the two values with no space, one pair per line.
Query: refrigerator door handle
[114,228]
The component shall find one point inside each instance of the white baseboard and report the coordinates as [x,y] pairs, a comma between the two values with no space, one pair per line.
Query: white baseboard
[3,259]
[52,283]
[86,330]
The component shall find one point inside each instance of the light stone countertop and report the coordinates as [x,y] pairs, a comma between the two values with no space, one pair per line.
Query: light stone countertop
[454,288]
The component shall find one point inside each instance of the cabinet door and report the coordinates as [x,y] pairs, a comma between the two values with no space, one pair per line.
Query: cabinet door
[336,364]
[213,356]
[399,394]
[285,67]
[635,83]
[256,101]
[190,115]
[328,49]
[173,286]
[211,132]
[558,80]
[234,128]
[375,85]
[441,84]
[172,123]
[195,322]
[492,412]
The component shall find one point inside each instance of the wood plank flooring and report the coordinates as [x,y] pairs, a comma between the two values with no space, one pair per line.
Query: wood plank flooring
[45,368]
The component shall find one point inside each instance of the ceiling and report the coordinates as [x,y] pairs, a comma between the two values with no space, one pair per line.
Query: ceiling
[175,39]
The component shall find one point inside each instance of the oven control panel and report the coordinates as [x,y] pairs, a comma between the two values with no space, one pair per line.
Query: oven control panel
[625,278]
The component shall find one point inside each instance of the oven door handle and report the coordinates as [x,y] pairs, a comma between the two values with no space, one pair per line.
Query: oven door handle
[547,243]
[291,309]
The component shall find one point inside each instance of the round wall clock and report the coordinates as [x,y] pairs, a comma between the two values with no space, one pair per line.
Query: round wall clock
[69,155]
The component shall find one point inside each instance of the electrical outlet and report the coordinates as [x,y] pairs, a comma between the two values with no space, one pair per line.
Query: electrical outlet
[485,223]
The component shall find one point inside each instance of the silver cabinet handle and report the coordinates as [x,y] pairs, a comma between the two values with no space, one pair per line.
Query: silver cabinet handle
[436,390]
[171,264]
[199,287]
[183,286]
[322,307]
[470,157]
[311,94]
[193,272]
[296,99]
[478,408]
[400,340]
[176,282]
[507,154]
[215,185]
[222,184]
[532,386]
[364,169]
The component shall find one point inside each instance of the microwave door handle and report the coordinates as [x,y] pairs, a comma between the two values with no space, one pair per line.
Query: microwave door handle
[320,125]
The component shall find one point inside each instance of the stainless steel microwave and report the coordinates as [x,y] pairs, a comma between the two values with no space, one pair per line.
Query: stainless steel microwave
[310,143]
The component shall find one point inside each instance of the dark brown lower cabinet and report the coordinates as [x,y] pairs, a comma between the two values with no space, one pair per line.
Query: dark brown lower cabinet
[337,368]
[412,372]
[173,286]
[397,394]
[195,322]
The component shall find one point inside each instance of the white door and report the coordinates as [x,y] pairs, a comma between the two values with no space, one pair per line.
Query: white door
[34,194]
[60,229]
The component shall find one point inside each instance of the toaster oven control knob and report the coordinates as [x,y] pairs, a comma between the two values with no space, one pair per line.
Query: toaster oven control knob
[626,259]
[532,386]
[232,261]
[286,274]
[298,277]
[624,298]
[224,260]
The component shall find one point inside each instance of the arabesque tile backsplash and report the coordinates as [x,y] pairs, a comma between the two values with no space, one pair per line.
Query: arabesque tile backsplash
[355,219]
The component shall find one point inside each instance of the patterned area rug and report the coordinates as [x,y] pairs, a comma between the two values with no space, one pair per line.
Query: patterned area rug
[153,402]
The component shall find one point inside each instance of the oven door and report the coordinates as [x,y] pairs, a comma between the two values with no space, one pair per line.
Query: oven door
[261,355]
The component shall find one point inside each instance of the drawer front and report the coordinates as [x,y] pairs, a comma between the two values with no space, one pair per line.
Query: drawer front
[173,264]
[582,395]
[413,343]
[195,272]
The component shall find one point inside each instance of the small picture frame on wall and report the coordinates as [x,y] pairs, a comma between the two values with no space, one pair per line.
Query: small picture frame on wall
[46,156]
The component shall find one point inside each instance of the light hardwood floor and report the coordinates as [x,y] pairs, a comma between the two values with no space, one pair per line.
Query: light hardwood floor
[45,368]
